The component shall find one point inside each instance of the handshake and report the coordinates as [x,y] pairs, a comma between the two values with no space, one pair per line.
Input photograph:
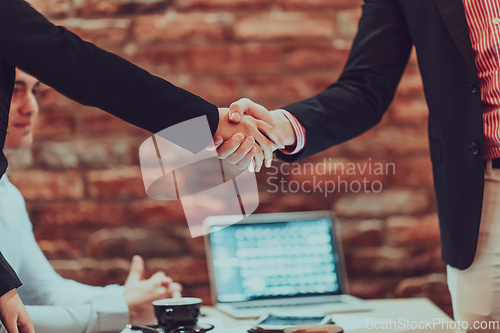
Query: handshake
[249,134]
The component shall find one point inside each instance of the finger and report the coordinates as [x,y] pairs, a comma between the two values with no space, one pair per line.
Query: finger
[216,142]
[175,290]
[26,328]
[230,146]
[24,322]
[246,106]
[162,292]
[242,151]
[266,147]
[11,325]
[137,270]
[271,133]
[258,158]
[236,111]
[244,163]
[161,278]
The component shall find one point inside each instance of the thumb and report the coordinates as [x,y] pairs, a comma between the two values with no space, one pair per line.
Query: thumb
[137,270]
[246,106]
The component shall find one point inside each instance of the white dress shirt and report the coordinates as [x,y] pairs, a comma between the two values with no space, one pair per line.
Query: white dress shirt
[55,304]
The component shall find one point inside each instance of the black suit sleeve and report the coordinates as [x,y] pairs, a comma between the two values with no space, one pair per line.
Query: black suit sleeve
[8,278]
[358,100]
[91,76]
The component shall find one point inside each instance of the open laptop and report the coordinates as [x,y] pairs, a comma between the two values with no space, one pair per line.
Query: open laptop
[280,263]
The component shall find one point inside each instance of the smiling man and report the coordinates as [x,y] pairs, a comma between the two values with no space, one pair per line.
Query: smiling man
[23,111]
[56,304]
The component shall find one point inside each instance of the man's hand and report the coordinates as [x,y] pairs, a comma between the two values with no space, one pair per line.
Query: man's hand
[13,314]
[242,136]
[140,293]
[276,119]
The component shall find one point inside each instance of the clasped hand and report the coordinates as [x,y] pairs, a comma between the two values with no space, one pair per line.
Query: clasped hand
[249,132]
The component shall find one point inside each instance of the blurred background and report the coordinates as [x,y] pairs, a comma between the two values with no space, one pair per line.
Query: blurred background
[82,180]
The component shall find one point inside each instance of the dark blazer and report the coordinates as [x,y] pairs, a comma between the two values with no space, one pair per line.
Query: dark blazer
[8,279]
[439,31]
[88,75]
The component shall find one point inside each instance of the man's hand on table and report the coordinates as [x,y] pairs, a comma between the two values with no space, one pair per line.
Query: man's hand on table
[13,314]
[140,292]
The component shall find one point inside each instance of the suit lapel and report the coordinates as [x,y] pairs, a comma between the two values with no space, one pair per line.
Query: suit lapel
[453,15]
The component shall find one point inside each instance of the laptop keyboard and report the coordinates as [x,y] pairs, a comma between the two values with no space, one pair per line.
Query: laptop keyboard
[289,302]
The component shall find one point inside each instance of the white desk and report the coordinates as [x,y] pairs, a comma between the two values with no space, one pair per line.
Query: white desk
[412,311]
[403,313]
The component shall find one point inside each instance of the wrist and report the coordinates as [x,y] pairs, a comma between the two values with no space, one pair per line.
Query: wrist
[284,127]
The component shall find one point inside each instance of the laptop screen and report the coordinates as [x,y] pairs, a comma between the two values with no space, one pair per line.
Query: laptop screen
[275,260]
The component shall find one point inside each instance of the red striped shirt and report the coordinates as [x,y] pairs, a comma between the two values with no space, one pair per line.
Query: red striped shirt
[483,18]
[300,134]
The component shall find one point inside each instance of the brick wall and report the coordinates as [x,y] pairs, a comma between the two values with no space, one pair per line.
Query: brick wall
[82,182]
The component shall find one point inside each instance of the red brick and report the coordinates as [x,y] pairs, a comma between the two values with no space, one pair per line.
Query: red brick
[433,286]
[59,249]
[54,125]
[105,33]
[52,8]
[319,4]
[126,242]
[43,185]
[107,153]
[84,213]
[362,233]
[50,100]
[339,175]
[102,153]
[116,183]
[426,259]
[93,272]
[183,27]
[57,155]
[374,288]
[406,230]
[185,270]
[284,88]
[149,211]
[413,62]
[315,57]
[331,152]
[154,58]
[389,142]
[195,245]
[116,7]
[270,203]
[409,111]
[222,4]
[234,58]
[414,171]
[378,260]
[347,24]
[411,85]
[279,25]
[386,203]
[202,292]
[221,91]
[19,158]
[100,122]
